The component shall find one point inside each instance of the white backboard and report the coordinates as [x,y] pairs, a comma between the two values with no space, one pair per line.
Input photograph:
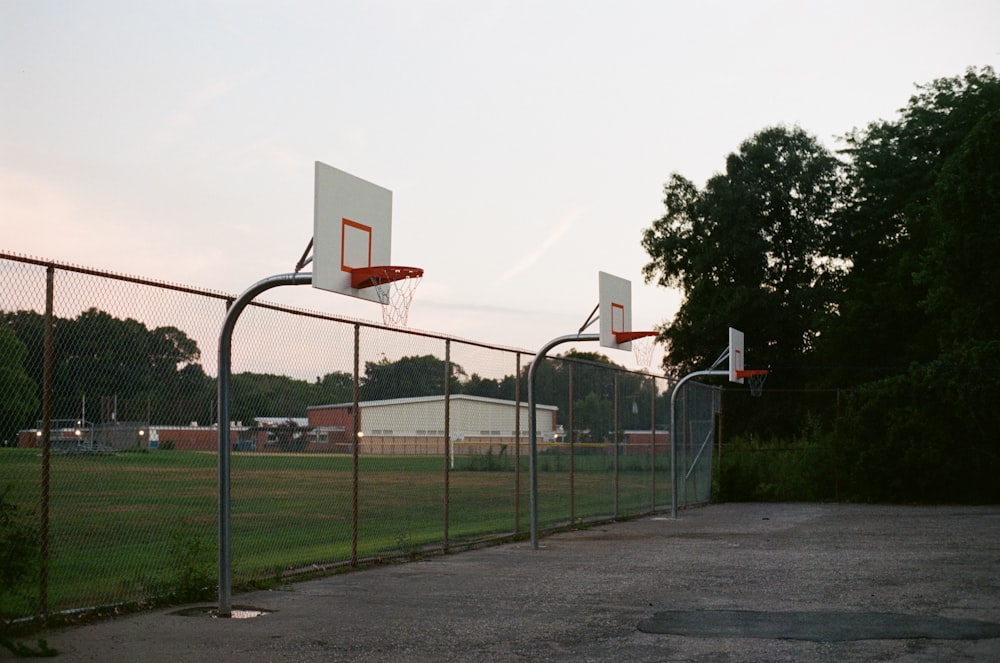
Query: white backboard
[352,228]
[737,354]
[614,309]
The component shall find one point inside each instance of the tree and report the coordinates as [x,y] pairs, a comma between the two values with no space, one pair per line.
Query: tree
[29,327]
[265,395]
[408,377]
[593,393]
[19,404]
[962,263]
[593,417]
[480,386]
[747,251]
[100,355]
[192,397]
[920,233]
[96,355]
[916,228]
[337,387]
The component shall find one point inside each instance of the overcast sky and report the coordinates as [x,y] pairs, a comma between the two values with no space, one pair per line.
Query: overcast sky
[526,143]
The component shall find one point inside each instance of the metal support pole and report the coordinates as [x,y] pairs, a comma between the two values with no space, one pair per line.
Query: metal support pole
[225,357]
[532,424]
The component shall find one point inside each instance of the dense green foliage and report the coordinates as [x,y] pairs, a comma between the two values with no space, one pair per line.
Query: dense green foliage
[19,558]
[804,468]
[875,272]
[99,357]
[20,399]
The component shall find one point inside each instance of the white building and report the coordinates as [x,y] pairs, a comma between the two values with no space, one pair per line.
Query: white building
[419,423]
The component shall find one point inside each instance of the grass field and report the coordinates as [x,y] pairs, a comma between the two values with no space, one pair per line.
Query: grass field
[131,526]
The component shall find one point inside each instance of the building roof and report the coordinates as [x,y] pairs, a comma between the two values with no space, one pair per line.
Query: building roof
[281,421]
[431,399]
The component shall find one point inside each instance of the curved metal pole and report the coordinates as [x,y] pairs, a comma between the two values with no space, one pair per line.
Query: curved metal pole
[673,431]
[225,356]
[532,440]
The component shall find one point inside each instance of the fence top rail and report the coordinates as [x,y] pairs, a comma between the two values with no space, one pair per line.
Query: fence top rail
[79,269]
[215,294]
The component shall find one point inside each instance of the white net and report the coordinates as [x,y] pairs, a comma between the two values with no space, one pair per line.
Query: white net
[643,350]
[395,297]
[756,382]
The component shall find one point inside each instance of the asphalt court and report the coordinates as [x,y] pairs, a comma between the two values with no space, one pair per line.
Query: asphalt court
[727,582]
[817,625]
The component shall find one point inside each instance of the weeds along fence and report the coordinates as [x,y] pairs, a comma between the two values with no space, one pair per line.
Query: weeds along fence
[350,442]
[782,447]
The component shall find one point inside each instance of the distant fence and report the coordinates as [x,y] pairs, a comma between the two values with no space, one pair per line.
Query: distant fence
[124,512]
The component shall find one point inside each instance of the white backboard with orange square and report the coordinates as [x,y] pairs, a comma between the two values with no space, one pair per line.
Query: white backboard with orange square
[352,228]
[737,354]
[614,309]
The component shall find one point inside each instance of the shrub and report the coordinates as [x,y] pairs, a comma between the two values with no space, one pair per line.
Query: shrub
[800,470]
[192,562]
[928,435]
[19,558]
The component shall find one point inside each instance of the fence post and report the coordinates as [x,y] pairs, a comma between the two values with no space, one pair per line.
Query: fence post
[652,445]
[447,436]
[517,443]
[572,456]
[355,444]
[49,343]
[617,440]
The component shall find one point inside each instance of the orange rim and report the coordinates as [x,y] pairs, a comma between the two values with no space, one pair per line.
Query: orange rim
[625,337]
[366,277]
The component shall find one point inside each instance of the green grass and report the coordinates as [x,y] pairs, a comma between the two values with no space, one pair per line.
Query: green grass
[117,522]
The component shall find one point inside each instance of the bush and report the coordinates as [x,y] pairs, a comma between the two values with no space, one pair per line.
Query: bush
[19,562]
[487,462]
[801,470]
[19,537]
[192,561]
[928,435]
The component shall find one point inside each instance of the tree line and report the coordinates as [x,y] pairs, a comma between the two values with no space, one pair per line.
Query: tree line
[873,269]
[109,369]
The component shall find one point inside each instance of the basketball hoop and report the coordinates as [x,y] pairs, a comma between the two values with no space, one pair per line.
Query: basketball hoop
[643,345]
[753,379]
[393,285]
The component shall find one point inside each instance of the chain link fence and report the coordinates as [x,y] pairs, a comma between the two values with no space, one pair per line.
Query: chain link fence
[350,442]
